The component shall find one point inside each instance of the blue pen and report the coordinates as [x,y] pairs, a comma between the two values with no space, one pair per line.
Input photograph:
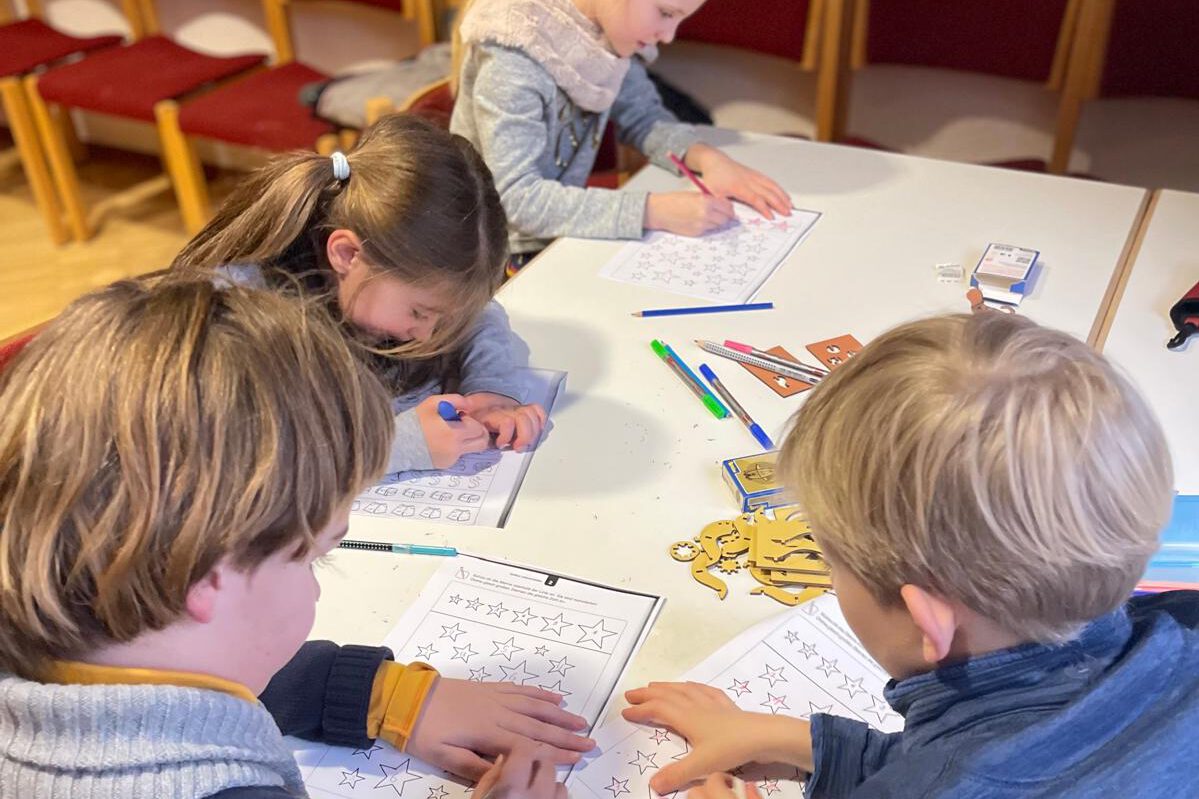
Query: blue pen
[691,376]
[447,411]
[745,418]
[751,306]
[399,549]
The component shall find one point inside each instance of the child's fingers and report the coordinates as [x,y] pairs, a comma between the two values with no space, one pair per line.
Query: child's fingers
[463,762]
[681,772]
[655,712]
[526,429]
[504,431]
[489,779]
[757,201]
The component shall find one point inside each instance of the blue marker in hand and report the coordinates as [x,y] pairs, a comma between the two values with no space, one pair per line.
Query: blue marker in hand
[447,411]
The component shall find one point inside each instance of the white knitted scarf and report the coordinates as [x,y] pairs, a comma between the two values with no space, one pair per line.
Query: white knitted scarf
[555,34]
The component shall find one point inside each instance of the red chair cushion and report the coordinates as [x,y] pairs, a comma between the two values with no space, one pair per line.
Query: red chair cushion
[127,81]
[1014,38]
[435,105]
[776,27]
[31,43]
[1153,49]
[260,110]
[11,348]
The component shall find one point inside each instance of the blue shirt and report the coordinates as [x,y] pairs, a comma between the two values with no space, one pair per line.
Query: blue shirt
[1114,712]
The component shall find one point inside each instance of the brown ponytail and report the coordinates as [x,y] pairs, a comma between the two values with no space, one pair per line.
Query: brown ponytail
[421,200]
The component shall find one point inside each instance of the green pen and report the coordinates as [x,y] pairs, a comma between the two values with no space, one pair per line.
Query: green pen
[710,402]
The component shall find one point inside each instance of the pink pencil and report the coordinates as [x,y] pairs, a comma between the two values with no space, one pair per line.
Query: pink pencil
[691,176]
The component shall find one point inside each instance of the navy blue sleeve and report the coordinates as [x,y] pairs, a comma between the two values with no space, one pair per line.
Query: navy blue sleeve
[1182,605]
[845,753]
[324,692]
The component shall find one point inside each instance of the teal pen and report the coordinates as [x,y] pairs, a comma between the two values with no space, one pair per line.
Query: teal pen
[694,378]
[399,549]
[710,402]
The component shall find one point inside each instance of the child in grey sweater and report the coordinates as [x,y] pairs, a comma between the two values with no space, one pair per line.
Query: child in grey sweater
[161,531]
[539,81]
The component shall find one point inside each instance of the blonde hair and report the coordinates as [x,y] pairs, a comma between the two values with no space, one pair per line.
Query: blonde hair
[421,200]
[155,428]
[988,459]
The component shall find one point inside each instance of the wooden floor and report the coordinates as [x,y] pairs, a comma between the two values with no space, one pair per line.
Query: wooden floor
[38,278]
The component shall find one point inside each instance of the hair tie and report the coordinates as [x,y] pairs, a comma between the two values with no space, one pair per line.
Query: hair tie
[341,166]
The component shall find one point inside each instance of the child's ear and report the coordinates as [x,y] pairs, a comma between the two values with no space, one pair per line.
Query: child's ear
[342,249]
[202,597]
[936,619]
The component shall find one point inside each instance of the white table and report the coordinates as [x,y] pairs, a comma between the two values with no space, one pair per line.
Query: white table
[1165,268]
[632,463]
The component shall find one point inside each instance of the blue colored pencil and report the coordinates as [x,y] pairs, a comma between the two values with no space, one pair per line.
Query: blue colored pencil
[753,306]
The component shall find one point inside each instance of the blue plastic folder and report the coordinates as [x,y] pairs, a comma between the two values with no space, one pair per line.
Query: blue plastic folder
[1178,558]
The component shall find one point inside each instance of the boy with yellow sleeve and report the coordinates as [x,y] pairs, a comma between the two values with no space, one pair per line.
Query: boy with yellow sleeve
[175,457]
[987,492]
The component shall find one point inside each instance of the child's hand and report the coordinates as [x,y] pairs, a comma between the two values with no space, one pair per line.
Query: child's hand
[687,213]
[463,720]
[724,177]
[513,424]
[722,736]
[449,441]
[720,786]
[526,772]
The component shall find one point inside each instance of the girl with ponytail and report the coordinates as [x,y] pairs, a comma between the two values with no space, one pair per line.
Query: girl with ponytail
[405,239]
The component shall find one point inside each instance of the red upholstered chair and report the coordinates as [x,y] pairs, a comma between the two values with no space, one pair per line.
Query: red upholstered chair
[1023,43]
[11,347]
[1132,49]
[813,33]
[26,45]
[262,110]
[127,82]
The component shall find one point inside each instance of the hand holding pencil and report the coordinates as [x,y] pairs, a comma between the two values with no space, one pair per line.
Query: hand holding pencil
[725,177]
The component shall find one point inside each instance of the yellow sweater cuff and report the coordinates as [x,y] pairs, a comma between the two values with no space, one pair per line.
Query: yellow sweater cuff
[397,697]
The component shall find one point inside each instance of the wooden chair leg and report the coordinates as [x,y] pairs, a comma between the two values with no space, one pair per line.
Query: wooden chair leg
[377,108]
[833,75]
[327,144]
[183,165]
[59,155]
[62,118]
[426,21]
[24,133]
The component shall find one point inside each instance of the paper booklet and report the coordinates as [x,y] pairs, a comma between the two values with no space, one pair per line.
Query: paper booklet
[488,621]
[802,662]
[726,266]
[478,490]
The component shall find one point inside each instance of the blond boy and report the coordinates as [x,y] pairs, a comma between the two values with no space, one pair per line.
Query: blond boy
[174,458]
[988,492]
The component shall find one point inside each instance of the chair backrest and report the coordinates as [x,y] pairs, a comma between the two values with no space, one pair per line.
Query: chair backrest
[1152,49]
[1023,39]
[775,27]
[278,21]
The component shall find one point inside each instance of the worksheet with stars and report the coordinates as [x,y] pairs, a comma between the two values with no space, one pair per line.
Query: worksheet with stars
[728,265]
[802,662]
[490,621]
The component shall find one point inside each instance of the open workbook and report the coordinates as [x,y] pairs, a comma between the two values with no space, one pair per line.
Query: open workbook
[477,490]
[482,620]
[801,662]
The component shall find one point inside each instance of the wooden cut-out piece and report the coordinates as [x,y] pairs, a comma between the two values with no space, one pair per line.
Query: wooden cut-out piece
[835,351]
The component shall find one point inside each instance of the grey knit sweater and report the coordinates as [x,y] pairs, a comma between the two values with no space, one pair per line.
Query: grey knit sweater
[526,127]
[135,742]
